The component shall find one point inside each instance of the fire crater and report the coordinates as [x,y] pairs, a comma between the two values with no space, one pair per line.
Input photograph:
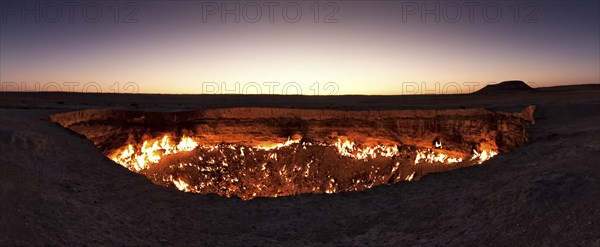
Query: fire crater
[266,152]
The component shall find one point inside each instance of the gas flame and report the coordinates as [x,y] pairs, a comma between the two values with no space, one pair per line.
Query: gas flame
[435,157]
[181,185]
[289,142]
[349,149]
[483,156]
[151,152]
[214,164]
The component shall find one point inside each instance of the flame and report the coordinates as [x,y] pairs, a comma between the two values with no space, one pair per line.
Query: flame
[186,144]
[330,187]
[214,168]
[435,157]
[483,156]
[289,142]
[151,153]
[181,185]
[347,148]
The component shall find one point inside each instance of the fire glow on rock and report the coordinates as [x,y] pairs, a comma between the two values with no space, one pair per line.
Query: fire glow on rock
[291,167]
[271,152]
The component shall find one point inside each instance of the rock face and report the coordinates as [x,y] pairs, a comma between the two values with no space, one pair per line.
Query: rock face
[505,86]
[250,152]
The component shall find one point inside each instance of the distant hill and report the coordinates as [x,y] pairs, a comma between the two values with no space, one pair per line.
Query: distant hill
[505,86]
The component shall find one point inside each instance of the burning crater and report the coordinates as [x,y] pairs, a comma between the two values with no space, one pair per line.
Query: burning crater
[266,152]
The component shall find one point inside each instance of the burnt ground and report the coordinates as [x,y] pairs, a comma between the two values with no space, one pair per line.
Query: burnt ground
[56,188]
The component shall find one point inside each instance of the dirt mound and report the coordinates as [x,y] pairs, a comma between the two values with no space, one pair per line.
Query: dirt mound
[505,86]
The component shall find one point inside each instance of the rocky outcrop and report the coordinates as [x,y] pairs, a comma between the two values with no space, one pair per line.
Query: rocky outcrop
[459,128]
[505,87]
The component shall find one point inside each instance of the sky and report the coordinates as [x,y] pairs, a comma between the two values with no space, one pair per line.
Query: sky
[296,47]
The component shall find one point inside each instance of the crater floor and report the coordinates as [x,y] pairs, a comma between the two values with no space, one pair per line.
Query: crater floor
[270,152]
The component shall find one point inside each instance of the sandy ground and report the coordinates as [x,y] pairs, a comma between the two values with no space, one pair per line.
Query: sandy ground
[57,189]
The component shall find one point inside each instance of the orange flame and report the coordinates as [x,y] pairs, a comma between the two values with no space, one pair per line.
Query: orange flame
[150,153]
[138,157]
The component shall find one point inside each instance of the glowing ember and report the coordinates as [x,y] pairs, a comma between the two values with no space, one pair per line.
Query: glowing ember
[251,171]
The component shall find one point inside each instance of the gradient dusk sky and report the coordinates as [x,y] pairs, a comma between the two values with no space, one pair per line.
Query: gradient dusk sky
[363,47]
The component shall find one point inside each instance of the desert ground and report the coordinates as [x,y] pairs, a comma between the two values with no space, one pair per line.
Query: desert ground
[56,188]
